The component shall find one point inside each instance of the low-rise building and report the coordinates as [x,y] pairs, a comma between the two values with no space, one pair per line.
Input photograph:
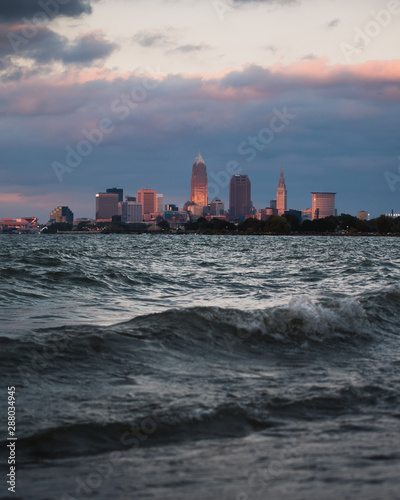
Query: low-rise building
[62,214]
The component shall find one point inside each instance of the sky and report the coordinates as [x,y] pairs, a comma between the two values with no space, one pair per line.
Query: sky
[97,94]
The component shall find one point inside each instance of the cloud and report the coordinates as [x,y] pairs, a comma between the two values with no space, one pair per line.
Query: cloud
[309,57]
[186,49]
[370,82]
[147,38]
[5,63]
[43,47]
[46,47]
[334,23]
[88,48]
[16,10]
[344,132]
[272,48]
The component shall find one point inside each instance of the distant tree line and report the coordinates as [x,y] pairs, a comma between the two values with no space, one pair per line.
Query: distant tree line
[275,224]
[289,224]
[204,226]
[122,227]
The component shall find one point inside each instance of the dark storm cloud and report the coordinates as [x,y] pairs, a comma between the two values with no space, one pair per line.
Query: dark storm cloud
[15,10]
[88,48]
[46,46]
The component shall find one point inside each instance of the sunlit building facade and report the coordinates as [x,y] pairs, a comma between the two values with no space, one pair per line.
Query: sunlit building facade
[199,185]
[323,205]
[148,199]
[160,203]
[281,195]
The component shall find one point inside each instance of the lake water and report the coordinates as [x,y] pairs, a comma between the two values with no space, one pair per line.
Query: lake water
[202,367]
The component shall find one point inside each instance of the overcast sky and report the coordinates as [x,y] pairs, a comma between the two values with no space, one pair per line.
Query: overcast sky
[101,93]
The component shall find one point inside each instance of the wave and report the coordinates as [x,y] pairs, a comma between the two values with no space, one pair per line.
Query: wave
[231,419]
[301,323]
[91,438]
[204,335]
[339,321]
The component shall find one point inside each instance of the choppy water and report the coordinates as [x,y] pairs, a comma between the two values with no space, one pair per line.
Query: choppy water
[198,367]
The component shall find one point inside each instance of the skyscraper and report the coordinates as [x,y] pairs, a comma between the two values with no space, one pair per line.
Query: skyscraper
[160,203]
[239,197]
[148,199]
[199,182]
[106,205]
[323,205]
[217,207]
[281,195]
[118,191]
[130,211]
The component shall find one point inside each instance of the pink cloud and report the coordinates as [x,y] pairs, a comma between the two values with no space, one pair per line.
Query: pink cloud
[317,71]
[64,93]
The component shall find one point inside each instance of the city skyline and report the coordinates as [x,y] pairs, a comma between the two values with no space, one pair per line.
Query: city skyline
[240,205]
[108,203]
[150,203]
[240,202]
[123,93]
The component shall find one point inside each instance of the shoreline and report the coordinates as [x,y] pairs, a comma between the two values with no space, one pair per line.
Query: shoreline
[238,234]
[335,235]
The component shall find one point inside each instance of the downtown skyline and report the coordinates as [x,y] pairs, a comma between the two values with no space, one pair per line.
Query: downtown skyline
[202,192]
[163,79]
[240,206]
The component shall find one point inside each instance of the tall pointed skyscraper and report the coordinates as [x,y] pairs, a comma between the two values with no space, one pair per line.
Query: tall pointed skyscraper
[281,195]
[199,182]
